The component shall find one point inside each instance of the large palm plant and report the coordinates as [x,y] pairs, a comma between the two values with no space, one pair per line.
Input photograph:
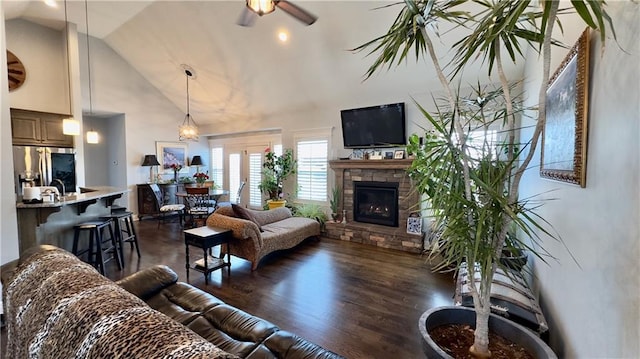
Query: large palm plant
[473,187]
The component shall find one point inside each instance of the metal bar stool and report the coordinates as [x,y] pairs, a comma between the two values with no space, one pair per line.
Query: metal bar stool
[124,230]
[95,249]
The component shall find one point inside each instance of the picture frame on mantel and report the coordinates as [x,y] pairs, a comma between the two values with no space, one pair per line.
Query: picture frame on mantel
[169,153]
[564,138]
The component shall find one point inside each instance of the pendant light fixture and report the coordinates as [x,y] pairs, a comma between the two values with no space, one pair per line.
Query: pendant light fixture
[92,136]
[70,126]
[188,131]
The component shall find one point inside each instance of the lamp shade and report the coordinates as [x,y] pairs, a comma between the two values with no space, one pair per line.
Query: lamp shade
[150,160]
[197,161]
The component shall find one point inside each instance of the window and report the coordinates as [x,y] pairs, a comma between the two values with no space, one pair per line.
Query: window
[234,174]
[255,173]
[217,167]
[312,156]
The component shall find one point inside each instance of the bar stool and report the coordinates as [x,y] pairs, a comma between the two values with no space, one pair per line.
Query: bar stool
[115,208]
[124,230]
[95,249]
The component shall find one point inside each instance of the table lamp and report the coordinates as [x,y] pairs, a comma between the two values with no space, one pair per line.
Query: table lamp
[197,161]
[150,161]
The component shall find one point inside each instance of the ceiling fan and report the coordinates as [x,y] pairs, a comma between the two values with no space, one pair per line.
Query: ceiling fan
[257,8]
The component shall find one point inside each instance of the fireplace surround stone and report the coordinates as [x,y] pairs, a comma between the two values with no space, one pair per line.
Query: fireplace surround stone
[349,171]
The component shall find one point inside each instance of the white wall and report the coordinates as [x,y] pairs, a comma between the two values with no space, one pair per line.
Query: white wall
[149,116]
[593,306]
[8,224]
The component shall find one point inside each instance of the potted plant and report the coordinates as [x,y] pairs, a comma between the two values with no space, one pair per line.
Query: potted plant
[201,178]
[334,202]
[313,211]
[176,168]
[275,170]
[471,186]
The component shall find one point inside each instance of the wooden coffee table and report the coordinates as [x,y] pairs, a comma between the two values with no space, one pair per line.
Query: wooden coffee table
[207,238]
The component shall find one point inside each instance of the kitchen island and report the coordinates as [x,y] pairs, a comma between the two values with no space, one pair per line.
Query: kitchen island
[52,222]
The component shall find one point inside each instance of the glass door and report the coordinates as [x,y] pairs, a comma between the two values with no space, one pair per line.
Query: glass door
[245,165]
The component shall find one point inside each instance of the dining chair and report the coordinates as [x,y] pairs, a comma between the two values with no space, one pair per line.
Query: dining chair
[165,209]
[197,205]
[238,196]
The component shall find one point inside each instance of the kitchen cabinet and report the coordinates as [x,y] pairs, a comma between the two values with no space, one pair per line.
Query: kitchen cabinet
[33,128]
[147,199]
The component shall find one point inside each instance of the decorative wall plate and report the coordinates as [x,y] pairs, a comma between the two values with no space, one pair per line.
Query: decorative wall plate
[16,71]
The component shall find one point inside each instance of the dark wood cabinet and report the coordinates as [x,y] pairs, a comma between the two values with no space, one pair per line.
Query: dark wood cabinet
[33,128]
[147,199]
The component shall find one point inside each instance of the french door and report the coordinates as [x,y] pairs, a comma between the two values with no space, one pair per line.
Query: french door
[244,164]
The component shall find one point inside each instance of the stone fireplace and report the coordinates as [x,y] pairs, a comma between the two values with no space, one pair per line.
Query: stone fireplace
[370,214]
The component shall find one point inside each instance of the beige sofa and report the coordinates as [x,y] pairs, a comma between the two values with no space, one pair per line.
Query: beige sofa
[280,230]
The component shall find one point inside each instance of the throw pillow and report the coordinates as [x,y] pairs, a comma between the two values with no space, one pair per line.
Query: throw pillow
[244,213]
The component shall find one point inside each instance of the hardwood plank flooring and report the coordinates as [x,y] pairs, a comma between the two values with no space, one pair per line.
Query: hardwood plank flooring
[356,300]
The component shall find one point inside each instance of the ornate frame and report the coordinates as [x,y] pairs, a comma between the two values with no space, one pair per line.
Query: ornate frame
[171,152]
[564,138]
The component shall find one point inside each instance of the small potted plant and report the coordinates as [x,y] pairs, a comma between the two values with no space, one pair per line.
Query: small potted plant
[334,202]
[176,168]
[275,170]
[201,178]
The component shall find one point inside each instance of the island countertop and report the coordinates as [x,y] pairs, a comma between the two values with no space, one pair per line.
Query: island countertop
[52,222]
[86,195]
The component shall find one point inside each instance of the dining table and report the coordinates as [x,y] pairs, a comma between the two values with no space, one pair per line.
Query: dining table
[214,194]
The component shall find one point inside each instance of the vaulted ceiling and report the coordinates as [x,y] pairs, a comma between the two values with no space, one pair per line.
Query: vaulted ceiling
[247,72]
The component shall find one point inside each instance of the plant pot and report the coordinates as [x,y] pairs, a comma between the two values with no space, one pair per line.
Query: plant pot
[272,203]
[498,325]
[335,217]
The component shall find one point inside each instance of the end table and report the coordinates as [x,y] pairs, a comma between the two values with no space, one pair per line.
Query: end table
[207,238]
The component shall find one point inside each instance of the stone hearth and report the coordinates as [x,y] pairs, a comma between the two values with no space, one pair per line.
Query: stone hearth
[348,171]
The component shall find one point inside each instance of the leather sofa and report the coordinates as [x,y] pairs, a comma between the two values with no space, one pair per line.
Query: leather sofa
[58,306]
[264,233]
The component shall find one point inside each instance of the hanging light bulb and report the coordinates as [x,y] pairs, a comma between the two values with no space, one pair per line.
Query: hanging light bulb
[188,131]
[93,137]
[70,126]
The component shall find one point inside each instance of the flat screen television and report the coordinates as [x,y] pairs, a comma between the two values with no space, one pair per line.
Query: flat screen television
[375,126]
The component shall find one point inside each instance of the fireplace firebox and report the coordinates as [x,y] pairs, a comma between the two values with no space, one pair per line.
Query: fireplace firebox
[376,202]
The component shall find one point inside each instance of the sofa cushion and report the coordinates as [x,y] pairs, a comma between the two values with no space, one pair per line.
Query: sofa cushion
[233,330]
[244,213]
[149,282]
[59,307]
[183,302]
[289,345]
[272,215]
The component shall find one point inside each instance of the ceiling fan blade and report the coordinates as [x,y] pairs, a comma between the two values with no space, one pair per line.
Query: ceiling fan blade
[297,12]
[247,17]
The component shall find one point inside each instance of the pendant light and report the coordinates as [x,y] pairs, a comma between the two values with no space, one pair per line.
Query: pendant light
[188,131]
[92,136]
[70,126]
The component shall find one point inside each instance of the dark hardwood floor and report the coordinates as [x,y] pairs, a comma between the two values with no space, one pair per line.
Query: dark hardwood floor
[356,300]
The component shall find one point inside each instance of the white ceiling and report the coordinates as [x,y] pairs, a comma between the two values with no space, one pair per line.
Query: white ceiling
[246,72]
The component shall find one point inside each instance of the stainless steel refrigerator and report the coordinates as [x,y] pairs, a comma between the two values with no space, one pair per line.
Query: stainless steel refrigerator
[44,166]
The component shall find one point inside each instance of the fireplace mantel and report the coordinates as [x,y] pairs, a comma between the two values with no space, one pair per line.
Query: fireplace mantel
[371,164]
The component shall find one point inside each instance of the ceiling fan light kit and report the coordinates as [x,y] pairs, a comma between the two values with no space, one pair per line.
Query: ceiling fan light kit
[188,131]
[261,7]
